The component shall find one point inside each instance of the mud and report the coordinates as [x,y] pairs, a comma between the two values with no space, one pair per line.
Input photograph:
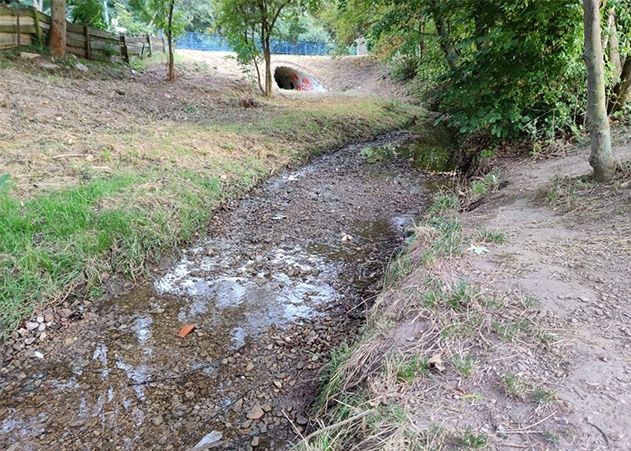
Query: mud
[282,277]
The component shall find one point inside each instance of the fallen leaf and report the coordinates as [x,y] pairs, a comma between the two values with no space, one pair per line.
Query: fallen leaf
[436,362]
[479,249]
[185,330]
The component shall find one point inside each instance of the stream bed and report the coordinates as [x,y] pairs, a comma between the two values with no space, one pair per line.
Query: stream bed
[281,278]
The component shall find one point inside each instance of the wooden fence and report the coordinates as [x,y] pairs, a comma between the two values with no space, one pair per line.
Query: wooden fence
[28,26]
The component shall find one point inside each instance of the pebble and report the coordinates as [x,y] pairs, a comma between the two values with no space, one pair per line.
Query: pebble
[157,421]
[31,325]
[256,412]
[210,440]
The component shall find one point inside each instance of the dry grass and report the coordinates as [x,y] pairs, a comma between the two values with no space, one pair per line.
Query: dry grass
[583,196]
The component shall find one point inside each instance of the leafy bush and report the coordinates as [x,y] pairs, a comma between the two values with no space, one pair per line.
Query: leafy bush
[88,12]
[525,76]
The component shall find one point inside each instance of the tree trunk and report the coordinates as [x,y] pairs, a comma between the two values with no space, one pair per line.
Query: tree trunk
[421,38]
[622,91]
[443,37]
[268,68]
[171,69]
[601,158]
[58,28]
[614,46]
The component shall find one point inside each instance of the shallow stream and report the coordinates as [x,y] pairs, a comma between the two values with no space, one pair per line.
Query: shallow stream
[282,277]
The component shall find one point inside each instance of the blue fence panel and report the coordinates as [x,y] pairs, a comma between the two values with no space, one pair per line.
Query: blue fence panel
[214,43]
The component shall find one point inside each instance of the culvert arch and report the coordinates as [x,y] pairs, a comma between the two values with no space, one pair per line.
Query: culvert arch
[292,78]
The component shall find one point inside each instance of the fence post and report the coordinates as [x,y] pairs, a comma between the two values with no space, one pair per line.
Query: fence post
[88,44]
[124,51]
[38,29]
[150,50]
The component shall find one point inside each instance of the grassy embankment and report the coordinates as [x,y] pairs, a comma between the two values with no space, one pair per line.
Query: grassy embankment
[429,348]
[143,188]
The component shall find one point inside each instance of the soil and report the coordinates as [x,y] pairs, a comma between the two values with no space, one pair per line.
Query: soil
[280,279]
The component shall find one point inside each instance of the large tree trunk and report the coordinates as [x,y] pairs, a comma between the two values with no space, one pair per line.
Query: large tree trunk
[601,158]
[622,91]
[171,68]
[58,28]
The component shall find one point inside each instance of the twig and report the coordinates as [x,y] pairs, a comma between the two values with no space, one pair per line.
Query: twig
[599,430]
[68,155]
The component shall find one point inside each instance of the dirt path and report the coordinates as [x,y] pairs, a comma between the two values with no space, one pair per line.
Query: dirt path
[575,259]
[272,289]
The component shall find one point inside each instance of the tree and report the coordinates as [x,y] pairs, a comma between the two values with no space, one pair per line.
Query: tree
[166,17]
[249,26]
[601,158]
[58,28]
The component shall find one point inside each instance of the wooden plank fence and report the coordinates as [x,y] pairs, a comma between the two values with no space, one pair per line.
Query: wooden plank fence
[28,26]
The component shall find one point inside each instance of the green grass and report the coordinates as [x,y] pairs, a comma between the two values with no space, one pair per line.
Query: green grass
[464,365]
[510,330]
[462,295]
[515,386]
[492,236]
[544,396]
[472,440]
[68,239]
[409,369]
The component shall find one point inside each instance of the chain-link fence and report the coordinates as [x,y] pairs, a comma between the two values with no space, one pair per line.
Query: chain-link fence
[214,42]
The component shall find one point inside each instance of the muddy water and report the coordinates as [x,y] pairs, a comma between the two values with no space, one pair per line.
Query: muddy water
[280,279]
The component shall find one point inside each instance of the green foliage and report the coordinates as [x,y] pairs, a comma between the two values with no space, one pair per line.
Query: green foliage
[374,154]
[132,20]
[160,16]
[504,68]
[524,75]
[88,12]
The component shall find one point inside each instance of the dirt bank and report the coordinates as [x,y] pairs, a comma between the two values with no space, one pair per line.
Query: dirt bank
[506,326]
[277,283]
